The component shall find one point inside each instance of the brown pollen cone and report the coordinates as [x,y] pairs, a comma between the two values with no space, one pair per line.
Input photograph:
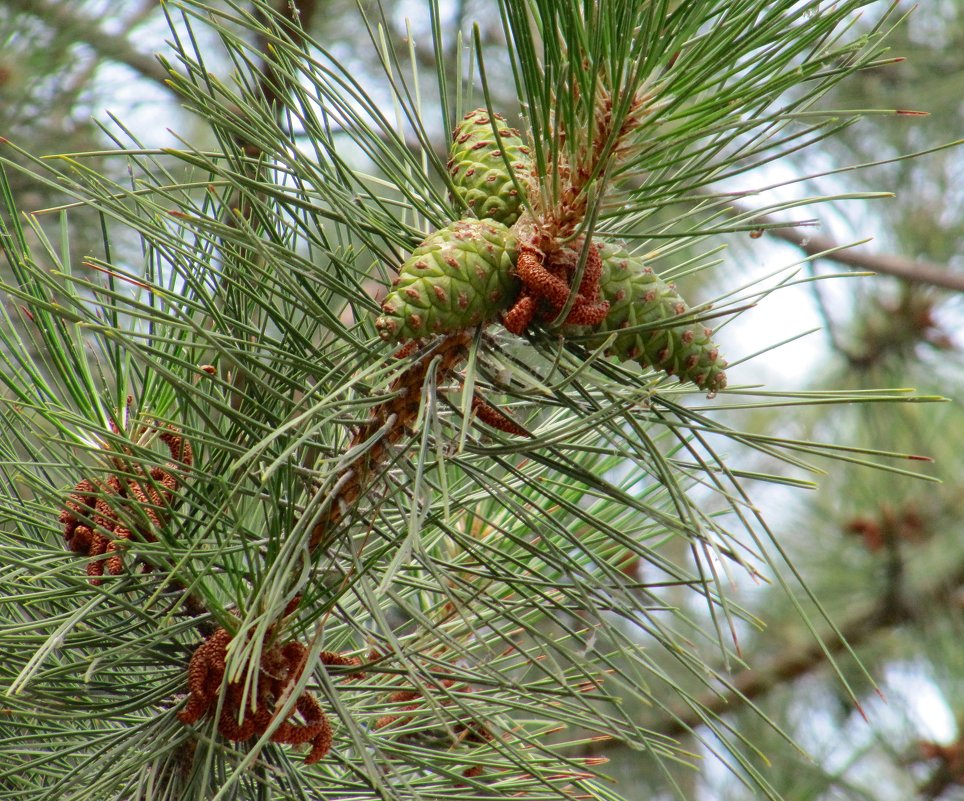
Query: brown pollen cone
[546,288]
[95,516]
[240,719]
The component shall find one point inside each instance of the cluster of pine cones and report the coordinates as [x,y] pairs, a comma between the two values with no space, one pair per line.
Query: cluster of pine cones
[467,274]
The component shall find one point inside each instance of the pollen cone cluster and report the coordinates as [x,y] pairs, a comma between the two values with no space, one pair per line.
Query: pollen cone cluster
[485,155]
[243,717]
[460,276]
[639,297]
[101,516]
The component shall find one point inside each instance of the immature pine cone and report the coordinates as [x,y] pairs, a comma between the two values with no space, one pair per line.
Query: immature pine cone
[478,168]
[638,296]
[460,276]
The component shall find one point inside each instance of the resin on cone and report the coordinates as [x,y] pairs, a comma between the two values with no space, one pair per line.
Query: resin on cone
[478,168]
[460,276]
[637,296]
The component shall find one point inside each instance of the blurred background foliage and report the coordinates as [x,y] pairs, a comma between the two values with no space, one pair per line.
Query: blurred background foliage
[883,552]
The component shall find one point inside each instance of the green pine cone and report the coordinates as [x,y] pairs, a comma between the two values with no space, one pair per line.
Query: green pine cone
[479,171]
[458,277]
[638,296]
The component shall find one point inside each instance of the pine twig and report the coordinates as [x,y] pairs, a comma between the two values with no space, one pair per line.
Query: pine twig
[385,427]
[299,16]
[920,272]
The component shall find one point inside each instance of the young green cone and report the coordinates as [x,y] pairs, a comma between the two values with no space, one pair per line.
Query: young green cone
[637,296]
[458,277]
[479,171]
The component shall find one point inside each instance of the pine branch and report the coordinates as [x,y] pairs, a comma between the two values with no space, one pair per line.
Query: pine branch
[300,16]
[920,272]
[755,683]
[385,426]
[119,49]
[90,33]
[463,555]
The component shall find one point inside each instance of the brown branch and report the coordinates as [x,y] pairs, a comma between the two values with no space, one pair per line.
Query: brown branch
[298,18]
[273,88]
[386,425]
[920,272]
[119,49]
[949,771]
[81,29]
[751,684]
